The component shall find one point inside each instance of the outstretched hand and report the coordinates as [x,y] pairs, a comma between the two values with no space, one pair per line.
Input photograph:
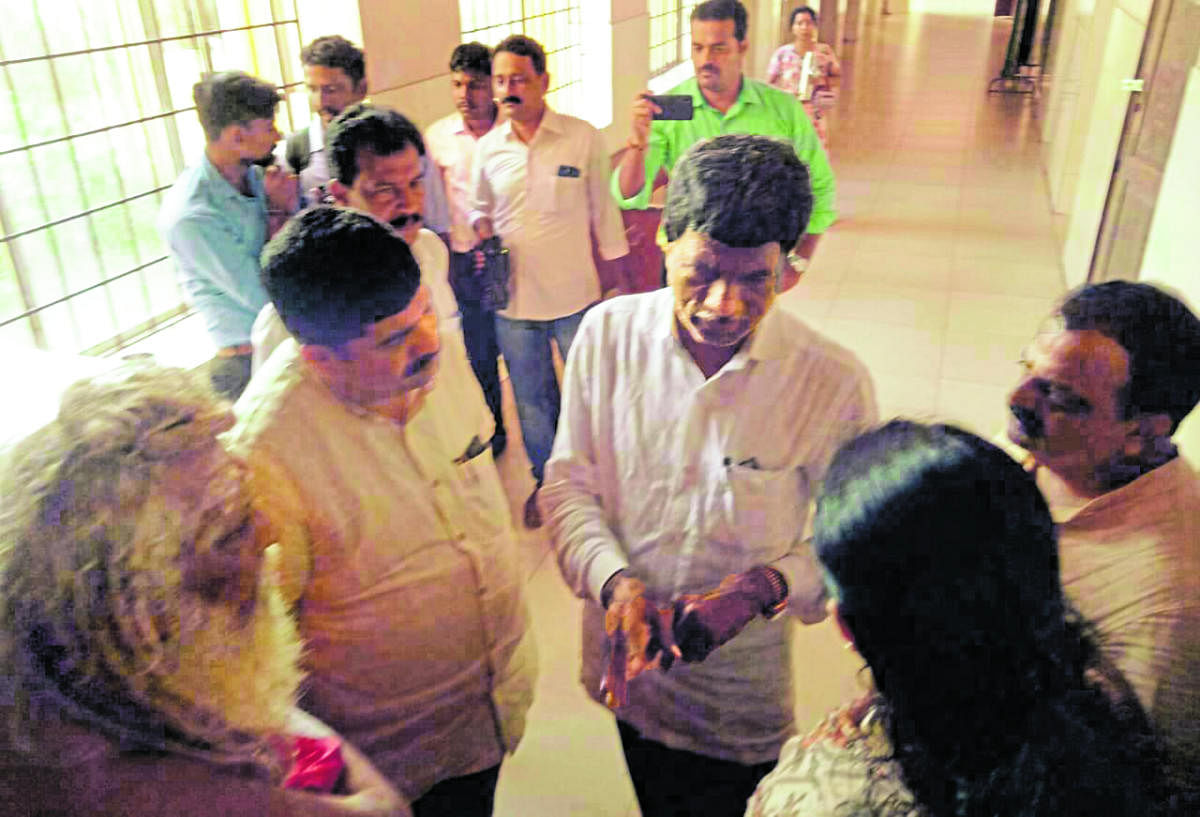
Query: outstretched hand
[640,638]
[706,621]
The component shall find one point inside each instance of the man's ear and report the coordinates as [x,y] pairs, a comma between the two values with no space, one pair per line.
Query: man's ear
[742,45]
[339,191]
[786,274]
[319,357]
[360,89]
[545,82]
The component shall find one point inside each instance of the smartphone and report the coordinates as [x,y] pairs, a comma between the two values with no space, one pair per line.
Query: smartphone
[674,106]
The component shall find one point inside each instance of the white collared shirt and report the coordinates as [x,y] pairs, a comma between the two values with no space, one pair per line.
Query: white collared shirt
[451,144]
[687,480]
[545,199]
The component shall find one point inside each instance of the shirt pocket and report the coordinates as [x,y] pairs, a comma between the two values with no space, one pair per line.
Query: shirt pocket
[561,189]
[769,508]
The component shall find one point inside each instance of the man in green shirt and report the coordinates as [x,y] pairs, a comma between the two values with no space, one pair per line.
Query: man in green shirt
[725,101]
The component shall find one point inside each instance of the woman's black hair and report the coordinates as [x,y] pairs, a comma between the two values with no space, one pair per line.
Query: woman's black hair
[942,556]
[802,10]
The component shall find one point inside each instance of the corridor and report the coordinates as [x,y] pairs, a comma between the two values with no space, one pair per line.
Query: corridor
[940,269]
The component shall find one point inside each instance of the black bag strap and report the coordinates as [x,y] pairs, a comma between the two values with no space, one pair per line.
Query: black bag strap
[297,150]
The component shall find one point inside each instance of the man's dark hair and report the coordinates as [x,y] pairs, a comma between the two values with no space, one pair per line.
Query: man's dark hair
[474,58]
[740,189]
[798,10]
[332,272]
[524,46]
[1158,332]
[232,98]
[335,51]
[382,131]
[723,10]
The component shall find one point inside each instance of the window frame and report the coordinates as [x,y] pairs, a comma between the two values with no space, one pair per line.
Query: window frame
[565,97]
[26,313]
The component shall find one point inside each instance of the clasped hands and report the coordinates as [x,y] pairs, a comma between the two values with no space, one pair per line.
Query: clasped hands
[643,636]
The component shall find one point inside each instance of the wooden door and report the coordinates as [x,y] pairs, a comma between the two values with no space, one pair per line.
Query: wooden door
[1168,55]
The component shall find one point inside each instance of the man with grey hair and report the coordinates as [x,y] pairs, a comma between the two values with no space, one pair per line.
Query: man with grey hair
[148,663]
[696,422]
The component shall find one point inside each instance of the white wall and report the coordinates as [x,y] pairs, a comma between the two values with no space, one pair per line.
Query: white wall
[1100,45]
[1171,248]
[1116,45]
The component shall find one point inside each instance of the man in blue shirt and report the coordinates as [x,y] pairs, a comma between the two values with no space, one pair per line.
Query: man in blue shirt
[219,213]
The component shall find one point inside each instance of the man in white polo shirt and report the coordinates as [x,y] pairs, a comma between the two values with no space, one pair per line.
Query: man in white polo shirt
[540,182]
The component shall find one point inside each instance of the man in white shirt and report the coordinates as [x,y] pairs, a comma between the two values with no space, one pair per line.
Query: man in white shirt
[335,75]
[1106,384]
[540,182]
[395,541]
[451,145]
[697,422]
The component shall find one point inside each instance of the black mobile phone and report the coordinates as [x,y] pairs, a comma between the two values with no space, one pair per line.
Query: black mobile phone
[674,106]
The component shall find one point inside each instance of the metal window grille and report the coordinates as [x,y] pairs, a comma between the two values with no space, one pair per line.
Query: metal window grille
[99,122]
[555,24]
[670,34]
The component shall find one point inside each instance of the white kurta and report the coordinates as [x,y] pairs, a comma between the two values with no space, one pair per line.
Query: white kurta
[403,566]
[687,480]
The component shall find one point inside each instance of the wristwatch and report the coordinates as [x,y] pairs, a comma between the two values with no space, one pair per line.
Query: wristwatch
[780,590]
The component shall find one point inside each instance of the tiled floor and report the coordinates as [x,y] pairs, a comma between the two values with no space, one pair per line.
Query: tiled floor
[941,268]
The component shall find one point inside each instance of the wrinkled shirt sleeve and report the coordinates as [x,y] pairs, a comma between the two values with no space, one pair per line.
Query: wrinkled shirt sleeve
[588,551]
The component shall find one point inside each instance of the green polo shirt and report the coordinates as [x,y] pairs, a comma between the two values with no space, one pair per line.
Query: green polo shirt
[759,109]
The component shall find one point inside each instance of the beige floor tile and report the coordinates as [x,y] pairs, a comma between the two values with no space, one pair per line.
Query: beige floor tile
[981,408]
[900,395]
[569,761]
[909,194]
[810,299]
[925,173]
[890,349]
[1003,276]
[980,357]
[981,242]
[929,237]
[891,305]
[1015,315]
[825,672]
[908,270]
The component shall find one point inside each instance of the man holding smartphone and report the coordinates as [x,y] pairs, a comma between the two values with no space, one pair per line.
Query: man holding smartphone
[724,101]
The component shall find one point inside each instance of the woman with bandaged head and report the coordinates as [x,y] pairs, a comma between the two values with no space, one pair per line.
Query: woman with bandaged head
[989,694]
[147,663]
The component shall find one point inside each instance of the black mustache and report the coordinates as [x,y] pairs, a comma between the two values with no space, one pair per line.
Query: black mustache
[404,219]
[516,100]
[1031,424]
[264,161]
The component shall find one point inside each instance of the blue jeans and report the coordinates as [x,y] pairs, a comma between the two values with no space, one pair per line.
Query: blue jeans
[526,349]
